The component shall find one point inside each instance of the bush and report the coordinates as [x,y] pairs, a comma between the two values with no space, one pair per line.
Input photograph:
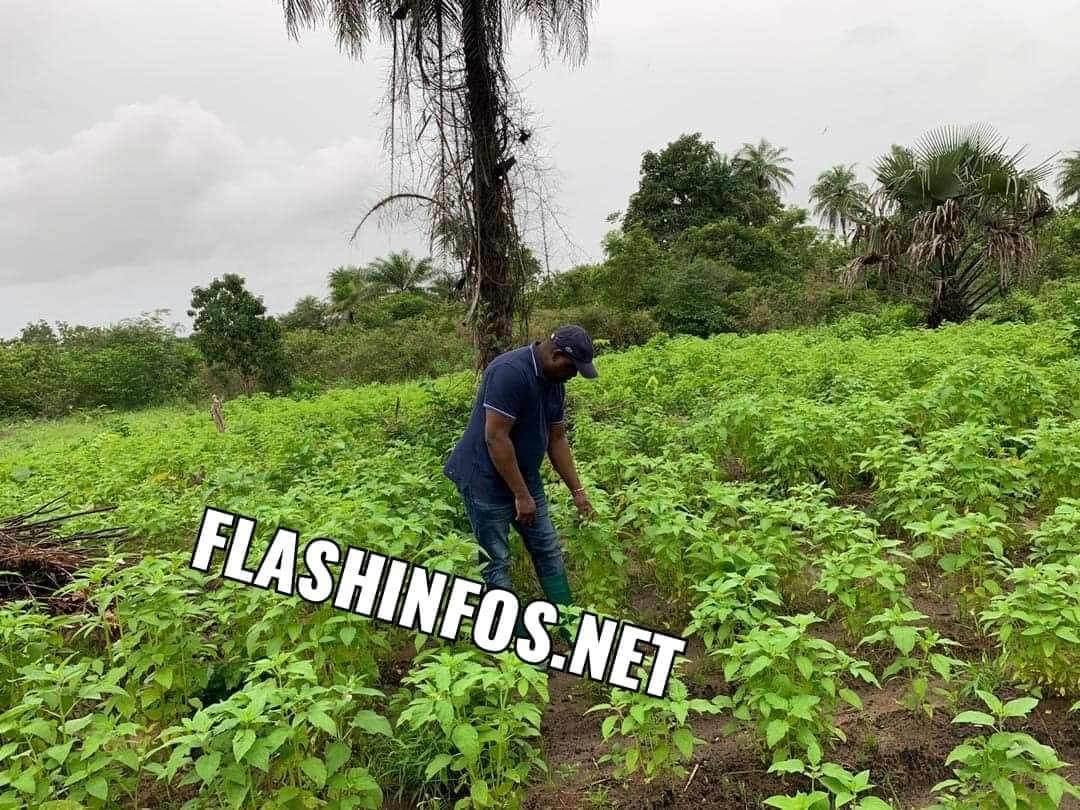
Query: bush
[621,329]
[133,364]
[1019,306]
[698,299]
[421,346]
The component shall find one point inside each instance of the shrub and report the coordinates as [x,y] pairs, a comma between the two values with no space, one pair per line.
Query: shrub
[1037,624]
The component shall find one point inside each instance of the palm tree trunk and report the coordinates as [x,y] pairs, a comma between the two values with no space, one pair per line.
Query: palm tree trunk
[493,321]
[949,303]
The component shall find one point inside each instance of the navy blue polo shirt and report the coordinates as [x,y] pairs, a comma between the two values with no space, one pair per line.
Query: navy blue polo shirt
[514,385]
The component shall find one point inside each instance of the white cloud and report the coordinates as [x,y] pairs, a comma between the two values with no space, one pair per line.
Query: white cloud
[165,181]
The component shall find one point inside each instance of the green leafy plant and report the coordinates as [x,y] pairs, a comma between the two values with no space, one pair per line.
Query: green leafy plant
[1007,769]
[55,745]
[842,788]
[920,656]
[467,725]
[864,578]
[282,737]
[731,603]
[651,734]
[1037,624]
[789,684]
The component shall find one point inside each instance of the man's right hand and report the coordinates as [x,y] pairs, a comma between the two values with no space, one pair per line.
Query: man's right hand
[524,509]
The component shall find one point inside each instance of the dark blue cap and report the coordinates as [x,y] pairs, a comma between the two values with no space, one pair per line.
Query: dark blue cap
[577,345]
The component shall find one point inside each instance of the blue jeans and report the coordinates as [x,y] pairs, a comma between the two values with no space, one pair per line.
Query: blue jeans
[491,525]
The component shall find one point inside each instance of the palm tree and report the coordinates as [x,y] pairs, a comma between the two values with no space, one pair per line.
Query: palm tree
[765,164]
[1068,178]
[838,198]
[400,272]
[350,289]
[451,103]
[953,220]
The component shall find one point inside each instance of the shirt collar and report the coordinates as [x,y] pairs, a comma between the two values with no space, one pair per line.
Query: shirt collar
[536,368]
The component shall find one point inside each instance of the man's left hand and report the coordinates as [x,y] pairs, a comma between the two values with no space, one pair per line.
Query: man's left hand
[585,509]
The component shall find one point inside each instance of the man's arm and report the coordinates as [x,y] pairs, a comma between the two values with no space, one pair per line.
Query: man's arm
[562,459]
[501,449]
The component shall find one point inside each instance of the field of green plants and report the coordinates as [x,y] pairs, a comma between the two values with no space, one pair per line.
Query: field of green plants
[874,543]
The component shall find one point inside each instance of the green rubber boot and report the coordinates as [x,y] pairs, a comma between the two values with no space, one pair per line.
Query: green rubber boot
[557,590]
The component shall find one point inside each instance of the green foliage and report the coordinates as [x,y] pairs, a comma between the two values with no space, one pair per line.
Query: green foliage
[954,219]
[735,472]
[232,330]
[730,603]
[1007,770]
[282,737]
[696,298]
[132,364]
[688,184]
[863,579]
[920,655]
[466,726]
[651,735]
[790,684]
[1037,624]
[843,788]
[308,312]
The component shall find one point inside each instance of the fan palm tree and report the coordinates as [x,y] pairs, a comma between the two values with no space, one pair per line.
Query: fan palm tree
[1068,178]
[765,164]
[400,272]
[448,70]
[839,198]
[350,289]
[953,219]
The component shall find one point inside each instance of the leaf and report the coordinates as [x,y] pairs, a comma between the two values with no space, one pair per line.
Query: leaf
[1004,788]
[684,741]
[242,743]
[851,698]
[337,754]
[974,718]
[467,741]
[315,770]
[372,722]
[1019,707]
[608,725]
[60,752]
[775,732]
[479,793]
[437,764]
[788,766]
[904,638]
[322,721]
[26,782]
[98,788]
[207,766]
[164,677]
[347,635]
[806,669]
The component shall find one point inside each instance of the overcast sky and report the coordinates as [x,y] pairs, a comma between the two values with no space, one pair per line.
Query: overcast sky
[147,147]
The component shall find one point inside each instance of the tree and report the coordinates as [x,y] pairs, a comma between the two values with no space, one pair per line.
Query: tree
[308,312]
[400,272]
[38,332]
[952,220]
[350,289]
[688,184]
[448,68]
[765,165]
[1069,178]
[232,330]
[839,198]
